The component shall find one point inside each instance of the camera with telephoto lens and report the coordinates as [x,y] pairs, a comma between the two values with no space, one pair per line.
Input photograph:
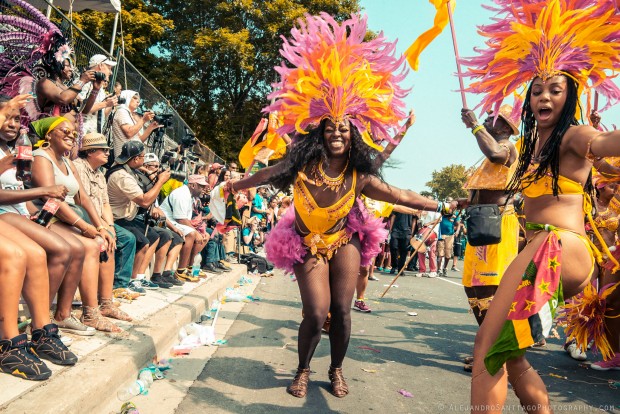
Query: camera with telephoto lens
[100,76]
[189,140]
[121,100]
[164,119]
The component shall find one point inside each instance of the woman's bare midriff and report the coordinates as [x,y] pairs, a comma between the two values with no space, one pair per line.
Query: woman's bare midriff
[564,213]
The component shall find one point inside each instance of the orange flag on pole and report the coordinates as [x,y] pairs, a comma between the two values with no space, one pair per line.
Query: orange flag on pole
[441,21]
[265,143]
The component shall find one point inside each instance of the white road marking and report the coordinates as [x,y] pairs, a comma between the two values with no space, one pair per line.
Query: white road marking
[449,281]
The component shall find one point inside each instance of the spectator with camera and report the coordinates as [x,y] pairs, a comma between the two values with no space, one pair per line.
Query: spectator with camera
[178,208]
[115,272]
[127,197]
[128,124]
[164,227]
[94,117]
[214,174]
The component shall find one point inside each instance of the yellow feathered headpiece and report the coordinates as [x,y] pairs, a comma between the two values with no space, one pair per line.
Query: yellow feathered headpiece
[333,73]
[534,38]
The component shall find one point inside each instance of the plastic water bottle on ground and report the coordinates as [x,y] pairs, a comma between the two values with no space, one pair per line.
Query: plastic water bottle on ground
[146,376]
[136,388]
[195,270]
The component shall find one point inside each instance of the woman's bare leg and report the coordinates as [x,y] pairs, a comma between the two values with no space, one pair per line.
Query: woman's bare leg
[313,281]
[490,391]
[12,274]
[343,275]
[35,289]
[57,250]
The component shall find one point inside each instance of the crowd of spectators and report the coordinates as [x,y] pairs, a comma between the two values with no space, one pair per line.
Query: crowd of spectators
[122,224]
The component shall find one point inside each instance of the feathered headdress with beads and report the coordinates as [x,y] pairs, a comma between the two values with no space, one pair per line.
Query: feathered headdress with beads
[534,38]
[331,72]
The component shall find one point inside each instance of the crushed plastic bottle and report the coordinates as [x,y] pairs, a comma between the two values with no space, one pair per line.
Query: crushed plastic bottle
[146,376]
[136,388]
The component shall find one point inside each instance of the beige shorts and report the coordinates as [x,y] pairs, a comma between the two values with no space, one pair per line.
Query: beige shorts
[445,247]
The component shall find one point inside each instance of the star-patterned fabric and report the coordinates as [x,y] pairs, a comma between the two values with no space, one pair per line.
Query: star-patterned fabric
[540,292]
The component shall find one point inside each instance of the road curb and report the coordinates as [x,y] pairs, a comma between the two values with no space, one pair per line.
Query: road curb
[102,372]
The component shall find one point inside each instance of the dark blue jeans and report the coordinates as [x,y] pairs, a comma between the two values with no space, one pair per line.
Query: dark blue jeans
[123,256]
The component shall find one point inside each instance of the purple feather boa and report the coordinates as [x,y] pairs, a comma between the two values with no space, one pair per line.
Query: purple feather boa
[285,248]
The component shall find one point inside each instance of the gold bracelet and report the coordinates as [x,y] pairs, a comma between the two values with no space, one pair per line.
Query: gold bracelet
[477,128]
[78,219]
[101,228]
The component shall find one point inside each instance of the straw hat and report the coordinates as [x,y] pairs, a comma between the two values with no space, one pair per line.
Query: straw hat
[94,140]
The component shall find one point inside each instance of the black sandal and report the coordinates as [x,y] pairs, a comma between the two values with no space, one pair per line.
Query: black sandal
[339,385]
[299,386]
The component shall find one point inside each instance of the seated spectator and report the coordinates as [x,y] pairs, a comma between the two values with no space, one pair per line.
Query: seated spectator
[14,210]
[93,119]
[128,125]
[259,204]
[249,232]
[73,223]
[127,200]
[178,207]
[94,154]
[151,169]
[23,269]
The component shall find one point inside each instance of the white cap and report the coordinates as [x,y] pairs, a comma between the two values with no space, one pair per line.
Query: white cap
[150,157]
[99,59]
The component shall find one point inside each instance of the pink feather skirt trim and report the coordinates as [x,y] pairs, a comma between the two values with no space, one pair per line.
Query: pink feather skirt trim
[285,248]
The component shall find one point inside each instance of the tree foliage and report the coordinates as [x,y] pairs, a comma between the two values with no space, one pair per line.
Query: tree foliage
[217,66]
[448,182]
[143,28]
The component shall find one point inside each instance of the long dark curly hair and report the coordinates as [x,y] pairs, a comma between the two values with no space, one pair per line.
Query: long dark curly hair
[549,158]
[309,149]
[48,61]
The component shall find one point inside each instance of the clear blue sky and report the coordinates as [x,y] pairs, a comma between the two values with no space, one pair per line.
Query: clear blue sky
[438,138]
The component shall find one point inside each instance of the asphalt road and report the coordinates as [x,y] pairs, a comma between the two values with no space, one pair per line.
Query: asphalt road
[389,351]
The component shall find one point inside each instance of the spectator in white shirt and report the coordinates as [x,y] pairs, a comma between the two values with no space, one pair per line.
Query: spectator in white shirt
[128,125]
[178,208]
[93,119]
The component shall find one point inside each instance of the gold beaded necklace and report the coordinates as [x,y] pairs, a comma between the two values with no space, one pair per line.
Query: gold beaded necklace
[333,183]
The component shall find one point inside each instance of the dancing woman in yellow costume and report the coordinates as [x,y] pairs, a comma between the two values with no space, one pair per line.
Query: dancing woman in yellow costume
[337,93]
[553,47]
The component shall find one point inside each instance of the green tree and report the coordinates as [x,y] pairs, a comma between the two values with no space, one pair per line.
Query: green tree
[448,182]
[143,28]
[216,64]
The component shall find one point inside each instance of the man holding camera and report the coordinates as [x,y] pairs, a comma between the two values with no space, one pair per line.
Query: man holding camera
[128,124]
[126,198]
[178,208]
[93,118]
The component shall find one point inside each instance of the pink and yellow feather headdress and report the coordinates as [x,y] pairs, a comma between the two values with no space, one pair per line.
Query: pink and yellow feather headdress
[534,38]
[333,73]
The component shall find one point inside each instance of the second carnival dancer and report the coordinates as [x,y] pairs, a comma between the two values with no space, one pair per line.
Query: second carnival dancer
[338,93]
[484,266]
[539,46]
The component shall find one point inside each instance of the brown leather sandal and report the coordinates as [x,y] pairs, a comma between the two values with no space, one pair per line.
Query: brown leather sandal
[339,385]
[299,386]
[468,360]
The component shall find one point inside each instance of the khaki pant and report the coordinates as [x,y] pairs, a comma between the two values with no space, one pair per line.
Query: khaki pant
[445,247]
[229,240]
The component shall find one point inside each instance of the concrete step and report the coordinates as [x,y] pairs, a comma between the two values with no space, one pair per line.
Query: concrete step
[106,362]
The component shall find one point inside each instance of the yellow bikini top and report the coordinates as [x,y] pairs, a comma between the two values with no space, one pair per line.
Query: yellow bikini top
[321,219]
[543,186]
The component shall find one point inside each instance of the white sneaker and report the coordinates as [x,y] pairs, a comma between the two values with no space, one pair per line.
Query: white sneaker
[66,340]
[432,274]
[576,353]
[421,275]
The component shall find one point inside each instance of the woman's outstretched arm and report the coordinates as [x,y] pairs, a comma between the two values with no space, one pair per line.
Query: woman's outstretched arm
[382,191]
[261,177]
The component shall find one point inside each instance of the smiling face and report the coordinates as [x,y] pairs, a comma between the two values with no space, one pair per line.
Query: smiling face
[547,100]
[337,138]
[63,137]
[67,70]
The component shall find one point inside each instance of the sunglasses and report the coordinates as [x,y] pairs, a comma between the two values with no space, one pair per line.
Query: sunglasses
[68,132]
